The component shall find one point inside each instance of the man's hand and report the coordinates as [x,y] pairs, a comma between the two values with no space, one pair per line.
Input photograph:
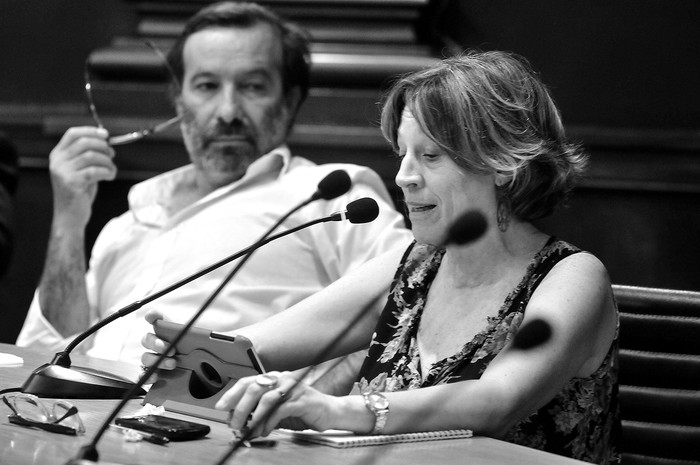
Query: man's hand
[79,161]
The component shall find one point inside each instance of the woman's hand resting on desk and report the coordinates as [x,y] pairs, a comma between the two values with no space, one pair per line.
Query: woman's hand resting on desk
[263,402]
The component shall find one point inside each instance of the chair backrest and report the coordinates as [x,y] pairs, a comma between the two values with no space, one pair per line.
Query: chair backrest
[659,375]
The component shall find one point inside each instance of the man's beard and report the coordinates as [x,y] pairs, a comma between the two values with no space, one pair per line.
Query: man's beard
[228,160]
[211,153]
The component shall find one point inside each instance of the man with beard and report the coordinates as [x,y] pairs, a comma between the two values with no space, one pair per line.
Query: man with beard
[244,73]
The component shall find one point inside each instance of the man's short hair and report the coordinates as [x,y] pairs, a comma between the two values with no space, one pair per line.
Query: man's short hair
[294,40]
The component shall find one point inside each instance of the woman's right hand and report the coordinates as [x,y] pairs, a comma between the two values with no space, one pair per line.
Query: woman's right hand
[262,402]
[155,346]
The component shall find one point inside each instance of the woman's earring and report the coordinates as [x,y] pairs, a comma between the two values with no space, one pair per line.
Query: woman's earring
[503,214]
[503,205]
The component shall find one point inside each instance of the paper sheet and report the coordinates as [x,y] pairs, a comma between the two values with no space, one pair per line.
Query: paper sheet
[10,360]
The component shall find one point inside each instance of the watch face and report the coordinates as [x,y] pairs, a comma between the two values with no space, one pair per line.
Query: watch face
[378,401]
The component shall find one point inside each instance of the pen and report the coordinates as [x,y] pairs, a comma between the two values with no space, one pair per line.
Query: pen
[134,434]
[239,436]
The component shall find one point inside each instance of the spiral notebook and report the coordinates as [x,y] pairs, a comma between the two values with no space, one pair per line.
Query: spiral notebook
[342,439]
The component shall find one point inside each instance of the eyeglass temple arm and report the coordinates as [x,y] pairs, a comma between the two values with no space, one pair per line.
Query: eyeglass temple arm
[12,407]
[136,135]
[73,410]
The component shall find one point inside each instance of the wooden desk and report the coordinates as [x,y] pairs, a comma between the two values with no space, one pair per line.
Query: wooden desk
[21,446]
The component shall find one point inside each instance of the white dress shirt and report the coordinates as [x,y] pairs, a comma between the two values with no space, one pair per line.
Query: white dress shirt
[145,250]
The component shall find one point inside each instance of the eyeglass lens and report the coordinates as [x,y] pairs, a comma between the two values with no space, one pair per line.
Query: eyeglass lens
[139,133]
[33,409]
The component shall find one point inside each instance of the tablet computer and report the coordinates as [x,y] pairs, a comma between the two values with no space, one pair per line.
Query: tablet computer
[207,364]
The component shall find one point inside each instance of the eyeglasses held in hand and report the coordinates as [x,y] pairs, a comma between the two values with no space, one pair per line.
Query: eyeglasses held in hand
[29,410]
[138,134]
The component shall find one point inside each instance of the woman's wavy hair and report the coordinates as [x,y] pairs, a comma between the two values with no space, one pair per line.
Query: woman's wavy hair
[491,113]
[296,66]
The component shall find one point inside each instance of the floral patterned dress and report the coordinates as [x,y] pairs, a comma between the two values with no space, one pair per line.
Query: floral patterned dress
[581,422]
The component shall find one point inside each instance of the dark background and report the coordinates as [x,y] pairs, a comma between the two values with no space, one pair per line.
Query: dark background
[624,73]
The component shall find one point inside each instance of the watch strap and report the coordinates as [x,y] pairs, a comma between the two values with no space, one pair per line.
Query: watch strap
[379,406]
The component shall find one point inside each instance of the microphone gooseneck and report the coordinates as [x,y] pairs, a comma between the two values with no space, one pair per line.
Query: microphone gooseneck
[466,229]
[469,227]
[89,451]
[59,379]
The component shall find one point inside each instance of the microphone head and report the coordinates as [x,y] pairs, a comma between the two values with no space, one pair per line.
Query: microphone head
[362,210]
[335,184]
[467,228]
[532,334]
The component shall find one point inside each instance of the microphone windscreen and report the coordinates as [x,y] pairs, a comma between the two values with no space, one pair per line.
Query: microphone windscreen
[467,228]
[532,334]
[333,185]
[362,210]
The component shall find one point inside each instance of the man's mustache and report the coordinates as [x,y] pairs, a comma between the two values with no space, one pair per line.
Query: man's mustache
[235,128]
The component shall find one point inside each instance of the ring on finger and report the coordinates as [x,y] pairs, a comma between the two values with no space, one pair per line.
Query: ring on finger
[266,380]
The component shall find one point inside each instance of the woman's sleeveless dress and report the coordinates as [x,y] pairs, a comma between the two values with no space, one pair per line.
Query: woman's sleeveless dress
[581,422]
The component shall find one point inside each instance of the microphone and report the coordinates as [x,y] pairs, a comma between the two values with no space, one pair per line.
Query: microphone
[89,451]
[359,211]
[532,334]
[59,379]
[469,227]
[333,185]
[466,229]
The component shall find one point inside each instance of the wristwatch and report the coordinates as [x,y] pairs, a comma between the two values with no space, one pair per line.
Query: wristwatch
[379,405]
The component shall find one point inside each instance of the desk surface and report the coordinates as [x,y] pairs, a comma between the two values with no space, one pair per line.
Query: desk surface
[20,446]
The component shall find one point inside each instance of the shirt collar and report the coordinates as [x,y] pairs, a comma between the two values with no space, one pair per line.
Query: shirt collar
[149,200]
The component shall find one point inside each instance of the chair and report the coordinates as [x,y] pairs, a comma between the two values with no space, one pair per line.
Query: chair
[659,375]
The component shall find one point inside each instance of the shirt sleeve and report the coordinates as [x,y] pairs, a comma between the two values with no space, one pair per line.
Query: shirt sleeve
[38,333]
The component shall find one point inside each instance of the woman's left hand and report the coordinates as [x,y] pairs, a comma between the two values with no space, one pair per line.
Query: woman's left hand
[261,402]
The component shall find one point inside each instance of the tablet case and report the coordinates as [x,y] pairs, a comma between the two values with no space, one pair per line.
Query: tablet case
[208,364]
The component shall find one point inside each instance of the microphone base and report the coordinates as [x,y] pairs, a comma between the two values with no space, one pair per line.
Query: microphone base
[51,380]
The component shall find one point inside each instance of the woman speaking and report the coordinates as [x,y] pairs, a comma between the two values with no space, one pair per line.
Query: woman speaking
[478,132]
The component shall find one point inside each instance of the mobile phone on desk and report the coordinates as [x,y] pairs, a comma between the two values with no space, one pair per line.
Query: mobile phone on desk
[171,428]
